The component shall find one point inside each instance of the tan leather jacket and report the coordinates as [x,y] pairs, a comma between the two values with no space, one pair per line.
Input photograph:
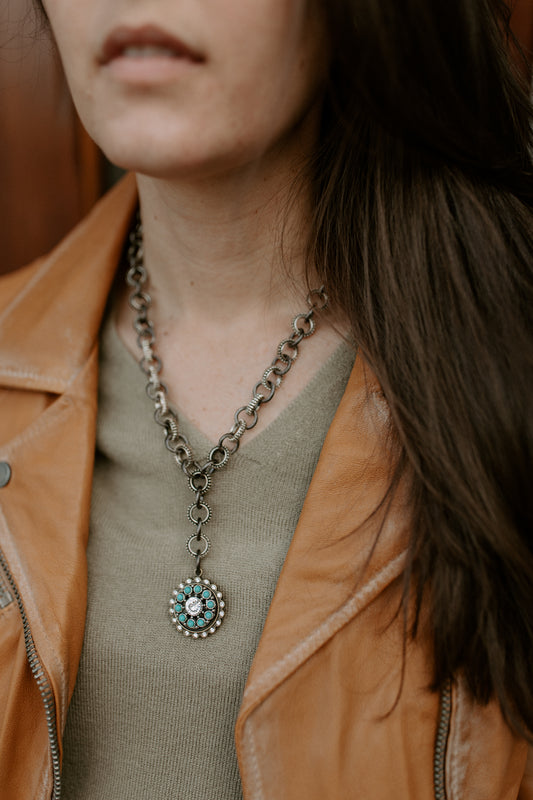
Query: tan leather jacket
[320,717]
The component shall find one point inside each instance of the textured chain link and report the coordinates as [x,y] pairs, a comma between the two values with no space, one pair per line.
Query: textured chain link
[245,418]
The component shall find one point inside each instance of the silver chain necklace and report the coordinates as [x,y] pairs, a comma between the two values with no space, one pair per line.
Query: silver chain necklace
[197,607]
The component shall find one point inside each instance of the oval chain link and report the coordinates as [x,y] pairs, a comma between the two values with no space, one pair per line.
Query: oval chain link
[245,418]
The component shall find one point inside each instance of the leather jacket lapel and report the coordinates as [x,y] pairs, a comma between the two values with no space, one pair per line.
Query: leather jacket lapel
[326,579]
[49,330]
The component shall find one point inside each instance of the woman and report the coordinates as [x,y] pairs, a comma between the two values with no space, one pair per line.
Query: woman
[380,149]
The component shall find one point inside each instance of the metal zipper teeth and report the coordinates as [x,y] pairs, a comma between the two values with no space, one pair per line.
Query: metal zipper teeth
[441,742]
[42,681]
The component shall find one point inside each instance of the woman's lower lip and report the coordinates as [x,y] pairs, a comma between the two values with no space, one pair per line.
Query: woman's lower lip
[146,70]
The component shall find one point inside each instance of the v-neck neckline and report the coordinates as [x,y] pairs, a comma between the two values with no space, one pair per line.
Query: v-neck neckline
[337,366]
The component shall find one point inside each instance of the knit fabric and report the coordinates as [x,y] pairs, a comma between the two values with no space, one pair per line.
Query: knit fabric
[153,712]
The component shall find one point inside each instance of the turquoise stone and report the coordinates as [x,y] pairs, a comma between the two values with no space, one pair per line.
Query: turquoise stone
[181,597]
[178,608]
[206,594]
[200,622]
[210,604]
[197,589]
[188,590]
[182,618]
[209,615]
[190,623]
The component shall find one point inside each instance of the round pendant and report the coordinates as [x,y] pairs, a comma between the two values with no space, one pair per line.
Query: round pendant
[197,608]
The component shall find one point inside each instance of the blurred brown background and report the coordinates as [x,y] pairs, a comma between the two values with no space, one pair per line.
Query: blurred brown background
[51,173]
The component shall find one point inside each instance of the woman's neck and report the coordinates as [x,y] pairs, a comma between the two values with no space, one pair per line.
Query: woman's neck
[214,248]
[223,296]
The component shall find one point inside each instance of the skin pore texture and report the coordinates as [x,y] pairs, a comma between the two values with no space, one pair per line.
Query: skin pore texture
[216,122]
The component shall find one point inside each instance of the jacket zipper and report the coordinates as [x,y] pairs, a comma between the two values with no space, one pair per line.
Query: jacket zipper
[41,678]
[441,742]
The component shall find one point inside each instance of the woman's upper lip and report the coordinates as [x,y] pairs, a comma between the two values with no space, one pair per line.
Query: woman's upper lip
[123,37]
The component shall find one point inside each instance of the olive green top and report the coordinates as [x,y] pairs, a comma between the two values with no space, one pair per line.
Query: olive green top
[153,712]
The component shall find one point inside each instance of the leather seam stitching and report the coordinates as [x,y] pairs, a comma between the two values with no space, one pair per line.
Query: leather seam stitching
[27,288]
[53,383]
[330,626]
[40,424]
[256,772]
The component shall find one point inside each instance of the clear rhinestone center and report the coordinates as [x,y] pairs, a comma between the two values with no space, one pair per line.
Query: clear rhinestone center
[193,606]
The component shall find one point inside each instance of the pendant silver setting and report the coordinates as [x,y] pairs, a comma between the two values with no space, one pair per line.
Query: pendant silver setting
[197,608]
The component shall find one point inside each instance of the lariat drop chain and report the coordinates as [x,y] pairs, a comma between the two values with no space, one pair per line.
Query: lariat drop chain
[197,607]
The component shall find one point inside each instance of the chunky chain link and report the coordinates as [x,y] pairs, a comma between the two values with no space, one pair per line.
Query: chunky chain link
[245,418]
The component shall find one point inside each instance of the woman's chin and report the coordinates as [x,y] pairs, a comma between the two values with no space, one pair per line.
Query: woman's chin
[186,165]
[149,159]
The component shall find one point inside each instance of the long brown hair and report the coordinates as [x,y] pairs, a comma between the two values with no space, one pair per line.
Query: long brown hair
[423,233]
